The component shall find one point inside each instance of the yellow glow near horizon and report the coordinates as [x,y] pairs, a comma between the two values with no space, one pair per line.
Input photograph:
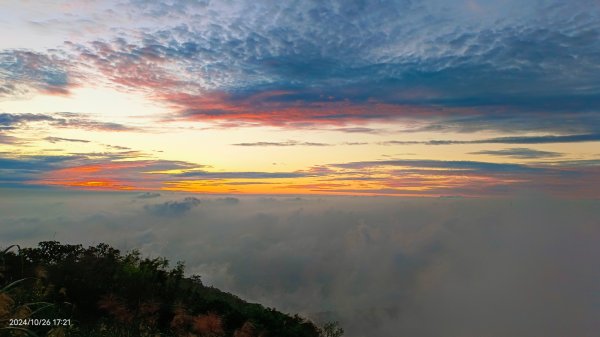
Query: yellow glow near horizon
[216,149]
[101,102]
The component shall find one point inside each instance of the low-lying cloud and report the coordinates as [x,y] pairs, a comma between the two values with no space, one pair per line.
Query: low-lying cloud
[382,266]
[172,208]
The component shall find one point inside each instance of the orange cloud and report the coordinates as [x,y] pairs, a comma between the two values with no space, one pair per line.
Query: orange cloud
[276,108]
[424,178]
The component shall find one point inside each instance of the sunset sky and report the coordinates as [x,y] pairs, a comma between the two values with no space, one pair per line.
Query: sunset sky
[410,98]
[413,167]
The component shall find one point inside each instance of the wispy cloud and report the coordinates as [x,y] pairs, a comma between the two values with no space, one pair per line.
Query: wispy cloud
[359,130]
[8,120]
[71,120]
[89,170]
[239,175]
[286,143]
[590,137]
[441,164]
[6,139]
[59,139]
[128,171]
[522,153]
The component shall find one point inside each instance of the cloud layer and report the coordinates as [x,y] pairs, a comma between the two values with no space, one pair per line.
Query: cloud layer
[382,266]
[472,65]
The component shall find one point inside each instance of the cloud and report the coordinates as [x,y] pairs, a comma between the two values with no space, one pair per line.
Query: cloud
[130,170]
[550,139]
[5,139]
[77,120]
[37,162]
[286,143]
[459,178]
[460,165]
[271,108]
[228,200]
[509,120]
[117,147]
[106,172]
[148,195]
[381,266]
[299,64]
[239,175]
[545,139]
[10,120]
[72,120]
[355,143]
[172,208]
[20,171]
[59,139]
[522,153]
[112,171]
[22,72]
[359,130]
[430,66]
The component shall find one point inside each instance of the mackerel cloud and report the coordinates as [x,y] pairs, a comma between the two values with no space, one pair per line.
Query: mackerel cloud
[509,65]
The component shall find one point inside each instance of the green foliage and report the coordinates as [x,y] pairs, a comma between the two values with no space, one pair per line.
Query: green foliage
[106,293]
[332,329]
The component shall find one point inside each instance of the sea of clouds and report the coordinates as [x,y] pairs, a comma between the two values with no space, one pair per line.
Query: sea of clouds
[381,266]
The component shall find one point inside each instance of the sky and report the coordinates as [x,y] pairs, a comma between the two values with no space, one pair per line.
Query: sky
[433,98]
[417,168]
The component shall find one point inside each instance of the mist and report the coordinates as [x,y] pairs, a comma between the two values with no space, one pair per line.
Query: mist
[523,266]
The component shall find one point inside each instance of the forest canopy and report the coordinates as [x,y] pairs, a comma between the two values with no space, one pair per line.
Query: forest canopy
[67,290]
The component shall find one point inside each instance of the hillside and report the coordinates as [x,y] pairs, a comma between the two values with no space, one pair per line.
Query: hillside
[68,290]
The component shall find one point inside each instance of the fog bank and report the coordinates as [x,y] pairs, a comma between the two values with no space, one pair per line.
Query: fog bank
[381,266]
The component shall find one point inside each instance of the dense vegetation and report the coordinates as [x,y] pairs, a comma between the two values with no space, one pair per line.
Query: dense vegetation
[102,292]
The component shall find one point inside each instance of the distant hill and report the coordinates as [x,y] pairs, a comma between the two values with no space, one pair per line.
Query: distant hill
[67,290]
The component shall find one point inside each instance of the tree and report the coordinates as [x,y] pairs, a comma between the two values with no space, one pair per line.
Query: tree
[332,329]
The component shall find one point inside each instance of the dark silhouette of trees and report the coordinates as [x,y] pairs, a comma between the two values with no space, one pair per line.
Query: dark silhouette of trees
[102,292]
